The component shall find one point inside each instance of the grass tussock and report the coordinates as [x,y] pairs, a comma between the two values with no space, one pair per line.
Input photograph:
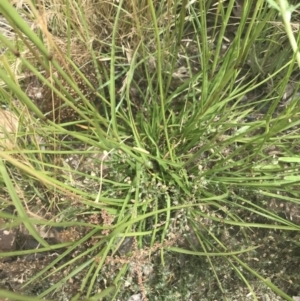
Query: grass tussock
[151,152]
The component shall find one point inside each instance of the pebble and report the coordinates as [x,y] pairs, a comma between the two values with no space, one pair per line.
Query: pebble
[7,240]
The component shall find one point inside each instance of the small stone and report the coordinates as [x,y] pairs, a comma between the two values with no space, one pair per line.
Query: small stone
[126,246]
[135,297]
[7,240]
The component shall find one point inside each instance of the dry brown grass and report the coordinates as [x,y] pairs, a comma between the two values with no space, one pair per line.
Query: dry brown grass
[86,39]
[93,21]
